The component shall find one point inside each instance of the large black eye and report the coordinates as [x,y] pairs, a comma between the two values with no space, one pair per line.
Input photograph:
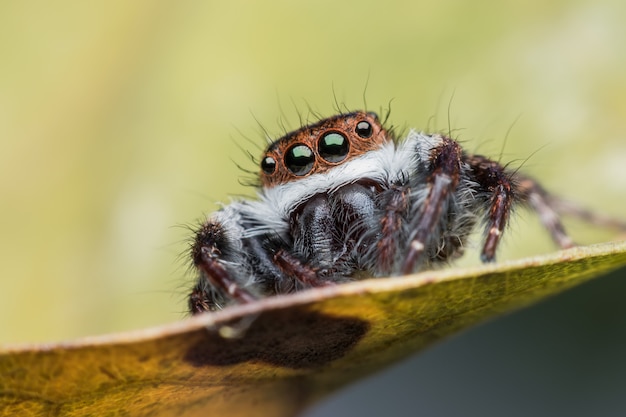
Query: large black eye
[268,165]
[364,129]
[299,159]
[333,147]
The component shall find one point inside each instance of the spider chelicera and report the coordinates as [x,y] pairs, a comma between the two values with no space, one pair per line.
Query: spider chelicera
[343,197]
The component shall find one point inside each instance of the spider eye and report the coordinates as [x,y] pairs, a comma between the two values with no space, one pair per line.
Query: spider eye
[333,147]
[364,129]
[299,159]
[268,165]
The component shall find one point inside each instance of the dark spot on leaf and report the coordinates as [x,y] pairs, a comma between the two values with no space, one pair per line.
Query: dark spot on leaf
[294,338]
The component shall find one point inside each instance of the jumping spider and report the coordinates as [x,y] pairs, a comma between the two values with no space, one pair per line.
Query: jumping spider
[343,197]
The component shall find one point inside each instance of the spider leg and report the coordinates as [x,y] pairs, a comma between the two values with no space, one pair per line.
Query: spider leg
[292,266]
[540,201]
[443,180]
[210,250]
[565,207]
[493,179]
[395,207]
[202,299]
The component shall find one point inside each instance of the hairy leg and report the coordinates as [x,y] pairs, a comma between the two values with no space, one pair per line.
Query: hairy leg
[539,200]
[442,181]
[494,181]
[395,202]
[209,251]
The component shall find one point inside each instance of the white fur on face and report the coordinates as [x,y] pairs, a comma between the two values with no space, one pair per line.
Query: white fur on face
[388,164]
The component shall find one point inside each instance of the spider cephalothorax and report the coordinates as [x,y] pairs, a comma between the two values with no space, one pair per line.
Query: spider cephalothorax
[343,197]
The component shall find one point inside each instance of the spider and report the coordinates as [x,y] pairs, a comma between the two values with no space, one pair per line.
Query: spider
[342,198]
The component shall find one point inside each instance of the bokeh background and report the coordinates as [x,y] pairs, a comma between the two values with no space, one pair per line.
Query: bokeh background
[122,123]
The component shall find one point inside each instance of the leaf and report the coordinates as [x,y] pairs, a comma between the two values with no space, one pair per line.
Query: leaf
[291,351]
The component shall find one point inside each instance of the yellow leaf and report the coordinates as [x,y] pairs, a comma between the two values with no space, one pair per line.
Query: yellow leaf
[283,353]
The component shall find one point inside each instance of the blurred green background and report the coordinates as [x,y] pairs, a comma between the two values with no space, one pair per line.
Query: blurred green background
[122,122]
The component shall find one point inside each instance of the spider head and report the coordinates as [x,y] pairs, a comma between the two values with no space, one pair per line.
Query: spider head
[321,146]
